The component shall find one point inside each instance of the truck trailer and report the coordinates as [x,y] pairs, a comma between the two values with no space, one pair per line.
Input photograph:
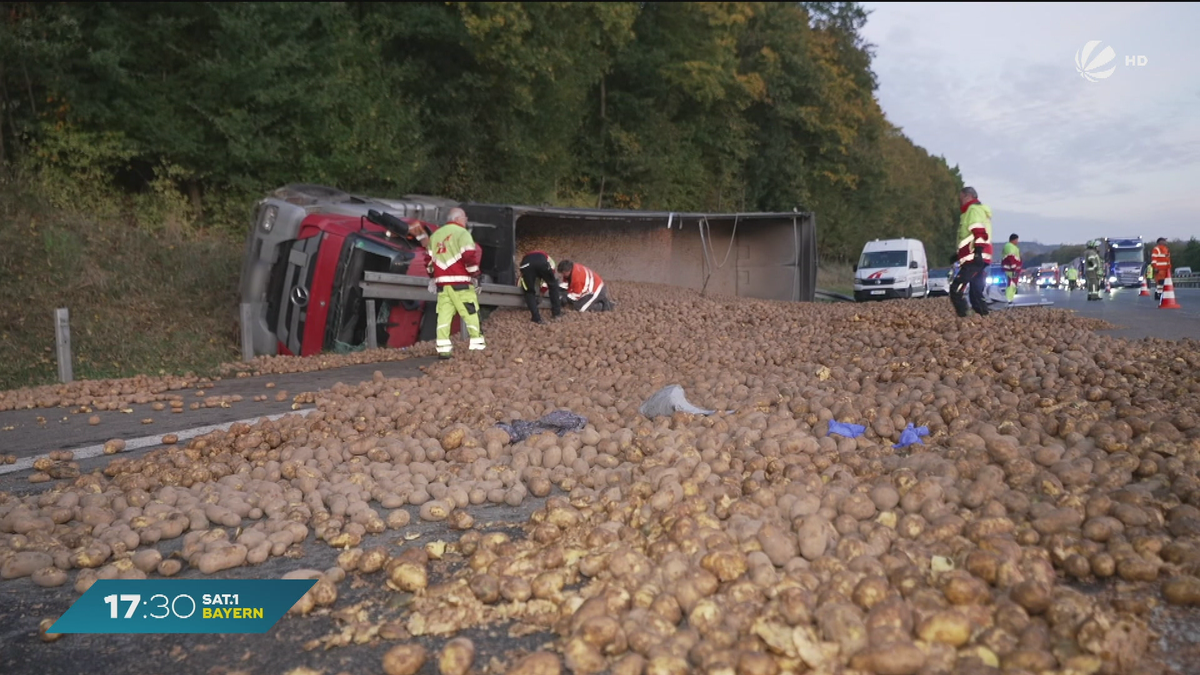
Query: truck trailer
[314,251]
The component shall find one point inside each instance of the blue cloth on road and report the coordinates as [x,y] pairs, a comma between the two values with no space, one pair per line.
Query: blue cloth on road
[845,429]
[911,435]
[559,421]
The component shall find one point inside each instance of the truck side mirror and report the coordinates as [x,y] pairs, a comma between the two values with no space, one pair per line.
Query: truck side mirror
[854,267]
[913,265]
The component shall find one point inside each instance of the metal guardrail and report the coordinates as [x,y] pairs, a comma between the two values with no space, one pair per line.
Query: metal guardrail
[387,286]
[1186,282]
[834,297]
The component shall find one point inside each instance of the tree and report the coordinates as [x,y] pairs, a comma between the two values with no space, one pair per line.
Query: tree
[241,96]
[681,106]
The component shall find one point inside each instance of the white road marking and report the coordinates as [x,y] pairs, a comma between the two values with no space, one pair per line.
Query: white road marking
[148,441]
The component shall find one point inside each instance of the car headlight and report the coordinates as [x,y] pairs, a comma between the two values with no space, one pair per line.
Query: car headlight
[268,217]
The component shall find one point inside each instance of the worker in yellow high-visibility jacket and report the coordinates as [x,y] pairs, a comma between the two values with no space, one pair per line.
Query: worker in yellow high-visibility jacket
[974,254]
[455,270]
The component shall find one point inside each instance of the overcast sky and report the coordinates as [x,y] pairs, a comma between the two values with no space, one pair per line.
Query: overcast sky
[994,88]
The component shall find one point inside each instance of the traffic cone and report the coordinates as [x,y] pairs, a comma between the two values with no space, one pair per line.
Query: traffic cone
[1168,296]
[1145,289]
[1107,286]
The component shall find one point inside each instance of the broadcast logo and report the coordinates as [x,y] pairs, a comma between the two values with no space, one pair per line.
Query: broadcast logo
[1093,65]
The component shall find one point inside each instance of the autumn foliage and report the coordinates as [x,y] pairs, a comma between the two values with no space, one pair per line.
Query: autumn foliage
[741,105]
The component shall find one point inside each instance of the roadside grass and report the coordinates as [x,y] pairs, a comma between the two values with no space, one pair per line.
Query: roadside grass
[140,301]
[837,277]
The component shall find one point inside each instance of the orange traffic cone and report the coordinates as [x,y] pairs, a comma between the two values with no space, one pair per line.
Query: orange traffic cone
[1145,289]
[1168,296]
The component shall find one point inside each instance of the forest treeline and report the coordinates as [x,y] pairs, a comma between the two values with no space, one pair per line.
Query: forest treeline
[202,107]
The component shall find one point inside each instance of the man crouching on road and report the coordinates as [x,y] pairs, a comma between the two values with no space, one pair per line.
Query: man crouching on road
[974,254]
[537,272]
[455,269]
[585,289]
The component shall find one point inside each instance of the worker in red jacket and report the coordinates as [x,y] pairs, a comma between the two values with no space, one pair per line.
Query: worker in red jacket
[585,289]
[1160,259]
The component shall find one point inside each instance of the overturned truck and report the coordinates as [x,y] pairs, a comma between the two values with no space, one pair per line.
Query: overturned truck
[311,248]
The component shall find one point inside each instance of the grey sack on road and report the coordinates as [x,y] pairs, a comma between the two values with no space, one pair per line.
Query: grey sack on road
[559,421]
[668,400]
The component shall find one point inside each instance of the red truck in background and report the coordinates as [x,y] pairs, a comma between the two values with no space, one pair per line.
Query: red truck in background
[1048,276]
[308,250]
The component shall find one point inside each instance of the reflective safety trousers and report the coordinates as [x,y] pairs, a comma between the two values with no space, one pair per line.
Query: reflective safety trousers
[462,303]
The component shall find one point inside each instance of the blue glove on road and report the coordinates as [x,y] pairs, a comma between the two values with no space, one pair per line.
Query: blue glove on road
[912,435]
[845,429]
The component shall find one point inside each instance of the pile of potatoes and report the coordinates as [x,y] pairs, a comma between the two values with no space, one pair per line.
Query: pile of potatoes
[89,395]
[749,541]
[282,365]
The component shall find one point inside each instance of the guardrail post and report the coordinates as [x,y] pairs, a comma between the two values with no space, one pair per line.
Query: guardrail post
[62,340]
[372,340]
[247,336]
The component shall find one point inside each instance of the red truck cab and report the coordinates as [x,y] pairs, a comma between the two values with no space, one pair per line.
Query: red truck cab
[310,247]
[323,308]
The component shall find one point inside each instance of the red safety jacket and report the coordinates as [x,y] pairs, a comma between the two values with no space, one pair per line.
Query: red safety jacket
[1160,258]
[584,282]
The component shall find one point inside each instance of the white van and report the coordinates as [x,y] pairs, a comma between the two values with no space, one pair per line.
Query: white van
[891,268]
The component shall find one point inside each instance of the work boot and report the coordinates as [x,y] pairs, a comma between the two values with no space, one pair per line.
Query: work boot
[538,320]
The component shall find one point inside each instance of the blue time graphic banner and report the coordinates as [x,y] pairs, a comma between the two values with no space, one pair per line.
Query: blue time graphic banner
[182,606]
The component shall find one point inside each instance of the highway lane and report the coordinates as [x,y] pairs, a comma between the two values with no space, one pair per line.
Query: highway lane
[27,433]
[1135,317]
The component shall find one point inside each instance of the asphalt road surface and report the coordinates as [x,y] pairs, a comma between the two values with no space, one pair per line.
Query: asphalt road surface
[27,433]
[1136,316]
